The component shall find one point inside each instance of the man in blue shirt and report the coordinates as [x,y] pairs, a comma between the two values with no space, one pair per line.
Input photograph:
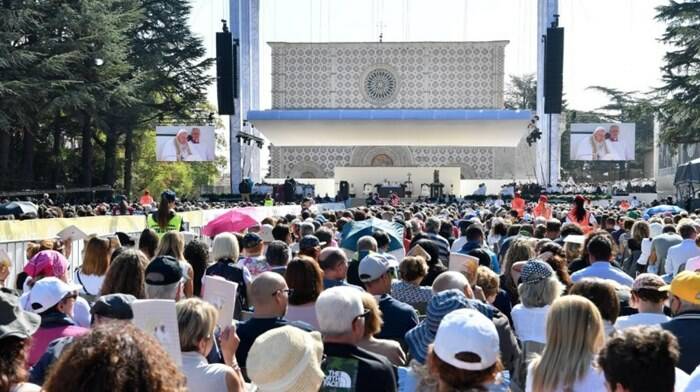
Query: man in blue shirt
[475,240]
[600,253]
[399,317]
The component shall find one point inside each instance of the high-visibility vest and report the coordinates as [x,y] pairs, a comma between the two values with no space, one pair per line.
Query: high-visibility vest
[174,224]
[269,203]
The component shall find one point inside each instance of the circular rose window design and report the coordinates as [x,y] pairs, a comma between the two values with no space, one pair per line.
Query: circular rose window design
[380,85]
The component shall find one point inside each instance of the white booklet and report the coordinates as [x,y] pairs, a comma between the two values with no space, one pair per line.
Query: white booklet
[464,263]
[158,318]
[222,294]
[71,232]
[575,239]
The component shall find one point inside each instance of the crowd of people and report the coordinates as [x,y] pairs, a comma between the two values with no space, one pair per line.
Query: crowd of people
[45,207]
[554,298]
[619,187]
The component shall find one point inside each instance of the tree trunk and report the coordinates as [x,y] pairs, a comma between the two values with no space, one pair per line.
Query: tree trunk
[86,153]
[5,140]
[109,175]
[26,173]
[128,160]
[57,170]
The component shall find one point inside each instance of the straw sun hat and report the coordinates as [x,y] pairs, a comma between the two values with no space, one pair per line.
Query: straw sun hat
[286,359]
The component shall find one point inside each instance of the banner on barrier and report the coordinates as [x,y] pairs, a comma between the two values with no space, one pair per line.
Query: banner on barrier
[39,229]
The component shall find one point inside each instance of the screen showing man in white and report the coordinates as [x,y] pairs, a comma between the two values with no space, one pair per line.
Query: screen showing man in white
[602,142]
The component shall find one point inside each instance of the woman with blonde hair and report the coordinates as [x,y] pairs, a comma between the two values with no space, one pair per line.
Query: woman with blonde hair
[196,321]
[574,337]
[630,264]
[391,349]
[91,274]
[173,244]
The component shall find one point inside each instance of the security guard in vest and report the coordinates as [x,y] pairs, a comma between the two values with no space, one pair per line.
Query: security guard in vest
[165,219]
[269,201]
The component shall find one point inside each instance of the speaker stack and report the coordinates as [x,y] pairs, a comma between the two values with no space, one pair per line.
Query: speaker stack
[553,69]
[226,67]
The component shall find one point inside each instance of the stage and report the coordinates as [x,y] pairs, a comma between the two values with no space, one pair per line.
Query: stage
[359,177]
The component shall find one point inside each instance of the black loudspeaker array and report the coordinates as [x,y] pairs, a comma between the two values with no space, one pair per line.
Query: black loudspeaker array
[553,69]
[226,75]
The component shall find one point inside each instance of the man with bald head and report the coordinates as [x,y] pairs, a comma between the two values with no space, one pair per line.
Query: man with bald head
[452,280]
[269,295]
[334,264]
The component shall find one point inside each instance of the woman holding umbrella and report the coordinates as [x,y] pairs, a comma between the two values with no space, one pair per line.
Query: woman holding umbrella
[581,216]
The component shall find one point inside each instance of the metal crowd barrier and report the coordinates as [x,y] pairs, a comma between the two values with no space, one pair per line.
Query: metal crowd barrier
[18,256]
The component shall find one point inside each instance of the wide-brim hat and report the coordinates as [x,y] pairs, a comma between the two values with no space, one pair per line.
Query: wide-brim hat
[423,335]
[15,321]
[286,359]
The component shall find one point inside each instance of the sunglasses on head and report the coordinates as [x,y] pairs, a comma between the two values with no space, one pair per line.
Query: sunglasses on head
[288,291]
[364,314]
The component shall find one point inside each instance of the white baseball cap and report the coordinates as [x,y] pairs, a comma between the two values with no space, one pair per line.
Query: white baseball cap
[337,308]
[372,267]
[266,233]
[467,330]
[46,293]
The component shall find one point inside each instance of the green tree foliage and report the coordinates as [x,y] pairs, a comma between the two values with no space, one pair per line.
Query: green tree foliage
[680,108]
[81,80]
[521,92]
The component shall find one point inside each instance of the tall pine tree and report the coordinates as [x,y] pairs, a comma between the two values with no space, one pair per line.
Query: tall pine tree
[680,111]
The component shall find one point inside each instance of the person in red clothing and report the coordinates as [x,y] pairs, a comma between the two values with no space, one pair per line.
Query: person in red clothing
[53,299]
[543,208]
[395,200]
[624,205]
[518,204]
[581,216]
[146,199]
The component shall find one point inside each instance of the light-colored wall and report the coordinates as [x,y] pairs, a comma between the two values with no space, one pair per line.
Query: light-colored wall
[359,176]
[428,75]
[493,187]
